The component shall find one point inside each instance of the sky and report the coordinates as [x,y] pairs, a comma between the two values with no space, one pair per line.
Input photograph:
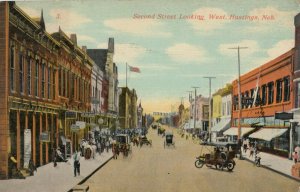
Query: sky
[175,44]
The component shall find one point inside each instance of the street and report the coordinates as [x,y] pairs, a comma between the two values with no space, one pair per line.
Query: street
[172,169]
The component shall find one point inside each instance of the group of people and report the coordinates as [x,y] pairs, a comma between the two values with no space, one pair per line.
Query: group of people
[252,146]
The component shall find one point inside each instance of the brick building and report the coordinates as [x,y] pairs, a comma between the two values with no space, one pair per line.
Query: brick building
[45,83]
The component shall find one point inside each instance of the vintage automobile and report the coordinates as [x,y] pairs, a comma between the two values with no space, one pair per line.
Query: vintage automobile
[222,156]
[123,144]
[169,140]
[143,140]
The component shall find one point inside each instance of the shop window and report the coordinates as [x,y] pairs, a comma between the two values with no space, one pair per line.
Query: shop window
[278,91]
[286,88]
[29,76]
[264,95]
[21,73]
[36,79]
[12,68]
[270,92]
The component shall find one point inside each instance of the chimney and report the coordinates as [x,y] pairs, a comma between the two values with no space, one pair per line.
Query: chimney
[111,47]
[297,30]
[84,48]
[73,38]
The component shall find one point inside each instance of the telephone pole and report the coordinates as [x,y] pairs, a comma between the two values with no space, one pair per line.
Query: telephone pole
[209,105]
[195,108]
[239,96]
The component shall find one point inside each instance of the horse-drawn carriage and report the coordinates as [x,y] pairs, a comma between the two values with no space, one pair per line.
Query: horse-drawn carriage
[169,140]
[221,157]
[123,144]
[144,140]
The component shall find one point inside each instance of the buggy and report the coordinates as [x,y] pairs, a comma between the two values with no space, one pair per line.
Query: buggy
[143,140]
[169,140]
[123,144]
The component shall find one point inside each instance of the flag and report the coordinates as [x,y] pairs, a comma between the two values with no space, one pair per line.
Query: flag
[255,92]
[134,69]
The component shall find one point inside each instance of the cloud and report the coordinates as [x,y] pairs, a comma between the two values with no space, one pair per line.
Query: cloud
[187,53]
[280,48]
[67,19]
[283,20]
[126,52]
[208,24]
[252,47]
[137,27]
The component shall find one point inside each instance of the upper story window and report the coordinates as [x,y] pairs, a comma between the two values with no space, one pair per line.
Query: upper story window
[49,83]
[286,88]
[29,69]
[21,73]
[270,92]
[36,78]
[258,97]
[278,91]
[43,80]
[263,94]
[12,68]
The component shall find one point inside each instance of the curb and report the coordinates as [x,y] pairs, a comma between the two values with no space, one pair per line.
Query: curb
[276,171]
[92,173]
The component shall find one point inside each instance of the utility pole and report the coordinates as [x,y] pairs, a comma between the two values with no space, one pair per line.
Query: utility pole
[195,108]
[190,101]
[209,105]
[239,96]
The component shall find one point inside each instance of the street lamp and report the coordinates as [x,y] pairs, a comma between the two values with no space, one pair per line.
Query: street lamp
[209,106]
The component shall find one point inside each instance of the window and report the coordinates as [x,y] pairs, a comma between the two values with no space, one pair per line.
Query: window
[258,98]
[36,79]
[278,91]
[60,81]
[298,95]
[43,79]
[49,83]
[264,94]
[53,84]
[286,87]
[270,92]
[28,76]
[12,68]
[21,73]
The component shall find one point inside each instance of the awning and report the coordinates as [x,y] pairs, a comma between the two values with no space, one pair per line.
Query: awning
[268,134]
[234,131]
[223,124]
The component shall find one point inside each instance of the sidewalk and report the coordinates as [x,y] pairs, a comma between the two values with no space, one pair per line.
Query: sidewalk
[275,163]
[59,179]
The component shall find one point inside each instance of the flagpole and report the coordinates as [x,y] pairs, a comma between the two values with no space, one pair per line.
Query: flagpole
[126,74]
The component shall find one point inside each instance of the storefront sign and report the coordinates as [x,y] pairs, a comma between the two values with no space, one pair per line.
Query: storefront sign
[284,116]
[88,114]
[71,114]
[45,137]
[27,147]
[75,128]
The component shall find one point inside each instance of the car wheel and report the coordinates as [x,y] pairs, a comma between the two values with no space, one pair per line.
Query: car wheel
[230,166]
[199,163]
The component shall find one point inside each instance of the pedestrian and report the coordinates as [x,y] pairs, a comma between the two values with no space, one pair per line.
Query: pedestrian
[107,145]
[295,157]
[54,157]
[251,151]
[76,163]
[245,146]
